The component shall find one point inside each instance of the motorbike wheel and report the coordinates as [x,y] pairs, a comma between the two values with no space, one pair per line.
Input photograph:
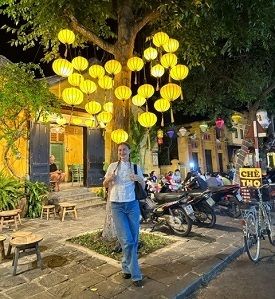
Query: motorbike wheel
[234,209]
[179,222]
[205,215]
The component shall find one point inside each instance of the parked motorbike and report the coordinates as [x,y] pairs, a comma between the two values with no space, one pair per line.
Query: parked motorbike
[167,209]
[228,199]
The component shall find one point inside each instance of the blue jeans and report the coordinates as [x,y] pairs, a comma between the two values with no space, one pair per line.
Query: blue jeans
[126,219]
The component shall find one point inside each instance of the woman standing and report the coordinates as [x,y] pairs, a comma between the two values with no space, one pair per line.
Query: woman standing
[119,180]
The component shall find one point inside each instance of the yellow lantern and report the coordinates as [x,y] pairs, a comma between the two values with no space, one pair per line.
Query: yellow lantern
[147,119]
[123,92]
[150,53]
[108,106]
[105,82]
[88,86]
[66,36]
[146,90]
[75,79]
[104,117]
[170,91]
[160,38]
[135,64]
[157,70]
[60,120]
[138,100]
[162,105]
[171,46]
[179,72]
[72,96]
[76,121]
[62,67]
[236,118]
[168,60]
[93,107]
[159,133]
[119,136]
[113,67]
[90,123]
[96,71]
[203,127]
[80,63]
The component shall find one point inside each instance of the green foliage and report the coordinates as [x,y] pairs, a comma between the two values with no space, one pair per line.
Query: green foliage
[36,194]
[94,241]
[11,191]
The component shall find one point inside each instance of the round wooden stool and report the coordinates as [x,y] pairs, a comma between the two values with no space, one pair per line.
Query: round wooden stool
[22,243]
[48,210]
[2,250]
[67,207]
[7,217]
[17,234]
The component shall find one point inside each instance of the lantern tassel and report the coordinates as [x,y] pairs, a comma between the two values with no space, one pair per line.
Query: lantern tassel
[172,116]
[123,107]
[148,137]
[162,120]
[135,78]
[66,51]
[146,106]
[181,93]
[157,87]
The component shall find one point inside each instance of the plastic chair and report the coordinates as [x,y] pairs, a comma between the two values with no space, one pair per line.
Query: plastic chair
[75,173]
[81,173]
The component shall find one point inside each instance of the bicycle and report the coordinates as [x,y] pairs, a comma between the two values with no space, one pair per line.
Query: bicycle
[257,224]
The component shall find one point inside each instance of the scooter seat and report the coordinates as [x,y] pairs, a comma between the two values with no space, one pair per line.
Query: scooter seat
[168,197]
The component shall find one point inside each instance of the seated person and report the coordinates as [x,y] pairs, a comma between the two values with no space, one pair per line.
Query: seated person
[56,175]
[177,176]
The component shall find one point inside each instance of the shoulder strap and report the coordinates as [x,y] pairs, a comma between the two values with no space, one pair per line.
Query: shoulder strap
[135,168]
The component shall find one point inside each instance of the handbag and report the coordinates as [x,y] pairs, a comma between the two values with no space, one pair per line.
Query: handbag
[139,191]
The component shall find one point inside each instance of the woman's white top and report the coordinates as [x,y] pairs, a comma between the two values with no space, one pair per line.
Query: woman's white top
[122,189]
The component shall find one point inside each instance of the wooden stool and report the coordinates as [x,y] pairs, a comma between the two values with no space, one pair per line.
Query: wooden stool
[48,210]
[22,243]
[17,234]
[10,216]
[67,207]
[2,250]
[19,217]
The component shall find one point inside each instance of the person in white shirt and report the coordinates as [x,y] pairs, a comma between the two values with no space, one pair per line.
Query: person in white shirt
[120,181]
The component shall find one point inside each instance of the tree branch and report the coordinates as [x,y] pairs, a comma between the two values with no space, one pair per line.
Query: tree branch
[90,36]
[150,17]
[267,91]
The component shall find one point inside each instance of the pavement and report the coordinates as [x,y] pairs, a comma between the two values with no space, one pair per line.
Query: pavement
[71,271]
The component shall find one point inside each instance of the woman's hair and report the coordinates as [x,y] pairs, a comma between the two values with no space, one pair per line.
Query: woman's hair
[125,143]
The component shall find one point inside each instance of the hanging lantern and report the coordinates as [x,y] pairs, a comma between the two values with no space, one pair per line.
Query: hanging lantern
[75,79]
[162,105]
[182,131]
[262,118]
[93,107]
[157,70]
[170,133]
[160,38]
[150,53]
[113,67]
[90,123]
[104,117]
[179,72]
[105,82]
[123,92]
[147,119]
[119,136]
[146,90]
[170,91]
[62,67]
[66,36]
[76,121]
[108,106]
[60,120]
[168,60]
[204,127]
[138,100]
[80,63]
[219,123]
[159,133]
[171,46]
[72,96]
[135,64]
[236,118]
[96,71]
[88,86]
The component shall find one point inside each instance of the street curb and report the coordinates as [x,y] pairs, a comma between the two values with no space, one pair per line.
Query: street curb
[208,276]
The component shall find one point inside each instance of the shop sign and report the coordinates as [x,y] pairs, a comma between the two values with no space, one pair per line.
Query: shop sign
[250,177]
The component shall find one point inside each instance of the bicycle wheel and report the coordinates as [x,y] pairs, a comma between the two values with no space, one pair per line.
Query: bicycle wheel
[270,230]
[252,238]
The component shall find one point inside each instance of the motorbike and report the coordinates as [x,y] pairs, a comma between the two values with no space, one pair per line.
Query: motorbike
[228,199]
[167,209]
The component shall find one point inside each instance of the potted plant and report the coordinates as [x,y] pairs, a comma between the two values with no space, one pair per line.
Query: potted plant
[36,194]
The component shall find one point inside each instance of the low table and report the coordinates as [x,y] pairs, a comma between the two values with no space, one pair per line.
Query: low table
[28,242]
[17,234]
[7,217]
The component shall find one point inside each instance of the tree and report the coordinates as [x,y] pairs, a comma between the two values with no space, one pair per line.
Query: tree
[23,98]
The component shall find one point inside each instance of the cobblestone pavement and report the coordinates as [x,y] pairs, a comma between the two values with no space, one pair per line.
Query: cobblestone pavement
[71,271]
